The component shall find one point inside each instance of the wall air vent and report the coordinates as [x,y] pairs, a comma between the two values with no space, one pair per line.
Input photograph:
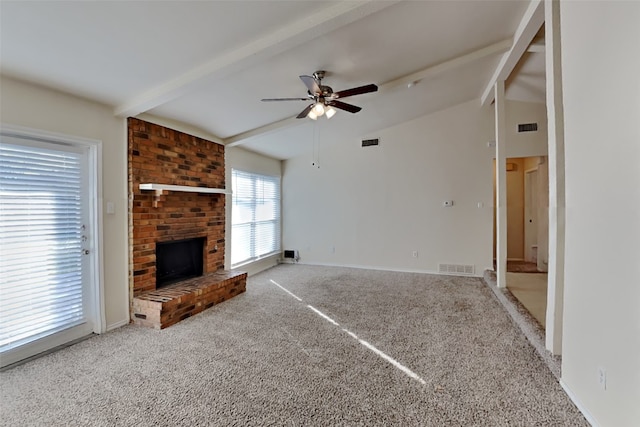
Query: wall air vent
[457,269]
[371,142]
[528,127]
[291,254]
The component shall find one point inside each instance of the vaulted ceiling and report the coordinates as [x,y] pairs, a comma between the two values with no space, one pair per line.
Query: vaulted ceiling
[209,63]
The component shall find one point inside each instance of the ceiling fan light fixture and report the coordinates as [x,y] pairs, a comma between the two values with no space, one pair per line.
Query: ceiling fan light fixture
[312,115]
[318,109]
[330,112]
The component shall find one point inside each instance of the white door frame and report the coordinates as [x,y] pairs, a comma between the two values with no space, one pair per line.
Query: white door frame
[530,188]
[555,134]
[95,296]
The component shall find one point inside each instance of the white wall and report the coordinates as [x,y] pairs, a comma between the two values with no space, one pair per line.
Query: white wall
[526,144]
[248,161]
[35,107]
[601,66]
[373,207]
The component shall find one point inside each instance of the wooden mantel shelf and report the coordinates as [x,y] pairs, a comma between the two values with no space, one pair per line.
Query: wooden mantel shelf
[161,188]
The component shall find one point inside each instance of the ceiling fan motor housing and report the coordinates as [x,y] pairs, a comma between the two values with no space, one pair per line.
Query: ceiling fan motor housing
[326,91]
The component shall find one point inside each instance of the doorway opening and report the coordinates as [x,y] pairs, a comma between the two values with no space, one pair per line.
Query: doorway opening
[527,233]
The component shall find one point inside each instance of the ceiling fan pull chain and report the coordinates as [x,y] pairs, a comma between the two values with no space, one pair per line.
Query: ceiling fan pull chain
[315,147]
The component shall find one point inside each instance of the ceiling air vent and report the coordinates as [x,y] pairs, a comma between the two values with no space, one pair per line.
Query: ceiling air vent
[371,142]
[528,127]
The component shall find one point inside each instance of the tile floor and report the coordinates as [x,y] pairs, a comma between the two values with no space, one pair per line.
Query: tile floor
[531,290]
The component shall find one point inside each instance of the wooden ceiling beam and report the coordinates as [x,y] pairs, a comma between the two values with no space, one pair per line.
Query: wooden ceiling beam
[288,36]
[530,24]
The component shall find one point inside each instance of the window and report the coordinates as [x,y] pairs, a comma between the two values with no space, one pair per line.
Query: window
[255,216]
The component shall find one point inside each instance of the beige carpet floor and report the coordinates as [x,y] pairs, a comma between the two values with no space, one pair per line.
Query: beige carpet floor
[305,345]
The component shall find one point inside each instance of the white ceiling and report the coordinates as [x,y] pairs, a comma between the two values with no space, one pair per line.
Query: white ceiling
[208,63]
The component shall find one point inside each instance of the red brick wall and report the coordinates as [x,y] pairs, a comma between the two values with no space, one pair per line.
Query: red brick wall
[164,156]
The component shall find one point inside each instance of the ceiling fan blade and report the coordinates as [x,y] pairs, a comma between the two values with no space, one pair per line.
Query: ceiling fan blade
[311,84]
[344,106]
[356,91]
[304,112]
[284,99]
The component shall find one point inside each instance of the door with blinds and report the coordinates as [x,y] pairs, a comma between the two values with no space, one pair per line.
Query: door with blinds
[46,242]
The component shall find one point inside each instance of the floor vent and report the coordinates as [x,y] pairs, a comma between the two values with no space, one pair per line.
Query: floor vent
[456,269]
[370,142]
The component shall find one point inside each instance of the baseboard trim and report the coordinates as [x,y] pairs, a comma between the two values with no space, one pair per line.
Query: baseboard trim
[259,265]
[398,270]
[590,418]
[116,325]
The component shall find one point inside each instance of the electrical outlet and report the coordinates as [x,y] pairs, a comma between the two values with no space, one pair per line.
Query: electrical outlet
[602,377]
[414,254]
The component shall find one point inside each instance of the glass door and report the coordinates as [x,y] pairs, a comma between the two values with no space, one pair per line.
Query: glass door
[46,238]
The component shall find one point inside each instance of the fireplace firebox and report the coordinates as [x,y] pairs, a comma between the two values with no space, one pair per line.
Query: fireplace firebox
[179,260]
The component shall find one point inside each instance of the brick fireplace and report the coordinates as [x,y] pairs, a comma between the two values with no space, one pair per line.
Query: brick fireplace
[163,156]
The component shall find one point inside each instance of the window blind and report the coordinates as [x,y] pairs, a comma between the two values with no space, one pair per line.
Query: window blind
[40,243]
[255,212]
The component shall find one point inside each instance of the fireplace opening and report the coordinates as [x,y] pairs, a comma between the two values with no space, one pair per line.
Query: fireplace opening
[179,260]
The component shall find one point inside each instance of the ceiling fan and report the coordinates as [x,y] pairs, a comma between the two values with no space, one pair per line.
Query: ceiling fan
[324,99]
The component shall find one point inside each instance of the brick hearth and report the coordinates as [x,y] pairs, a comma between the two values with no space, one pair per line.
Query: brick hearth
[171,304]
